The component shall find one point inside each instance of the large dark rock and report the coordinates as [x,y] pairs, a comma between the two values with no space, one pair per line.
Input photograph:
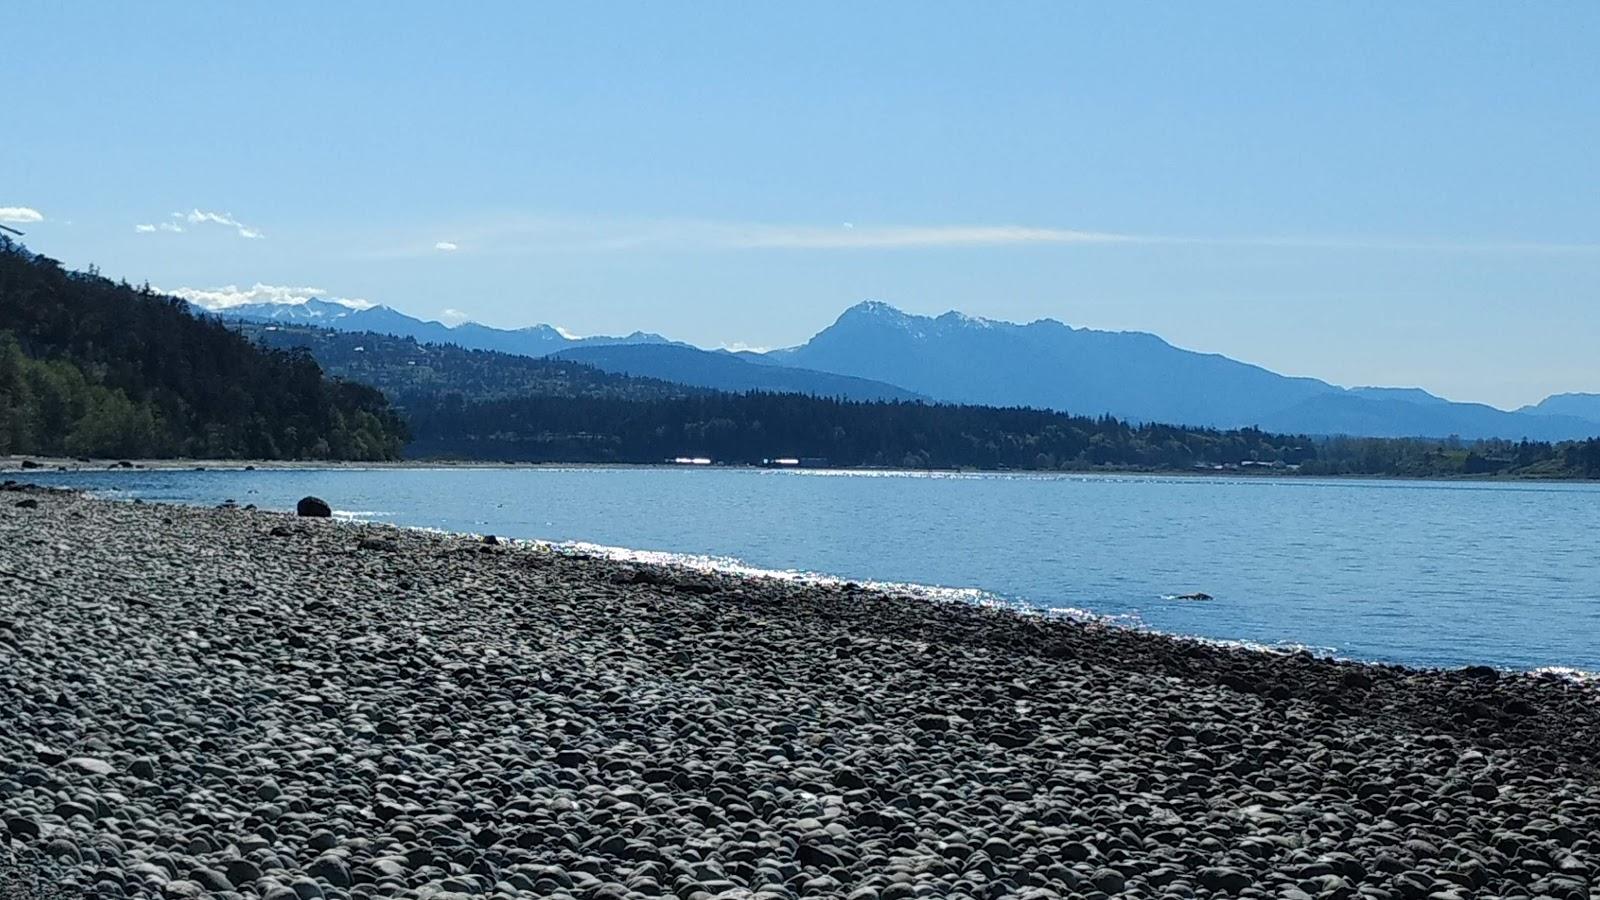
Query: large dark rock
[242,871]
[22,826]
[211,880]
[314,507]
[331,869]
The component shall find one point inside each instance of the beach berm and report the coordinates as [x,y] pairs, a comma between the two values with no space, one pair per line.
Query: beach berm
[231,703]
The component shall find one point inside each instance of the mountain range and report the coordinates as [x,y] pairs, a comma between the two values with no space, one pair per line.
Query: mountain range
[728,371]
[534,340]
[874,351]
[640,353]
[1584,406]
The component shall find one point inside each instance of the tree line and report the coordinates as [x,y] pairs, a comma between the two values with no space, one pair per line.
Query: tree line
[1425,458]
[486,405]
[750,428]
[90,367]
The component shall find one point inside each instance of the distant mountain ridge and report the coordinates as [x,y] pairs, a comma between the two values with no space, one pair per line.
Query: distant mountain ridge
[1049,365]
[534,340]
[639,354]
[728,372]
[875,351]
[1350,413]
[1584,406]
[1139,376]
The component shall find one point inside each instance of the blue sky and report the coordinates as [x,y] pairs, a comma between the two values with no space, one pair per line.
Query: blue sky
[1385,193]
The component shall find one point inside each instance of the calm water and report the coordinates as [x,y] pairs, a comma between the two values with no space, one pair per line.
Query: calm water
[1417,572]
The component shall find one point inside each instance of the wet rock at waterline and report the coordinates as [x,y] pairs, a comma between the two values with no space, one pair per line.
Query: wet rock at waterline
[314,507]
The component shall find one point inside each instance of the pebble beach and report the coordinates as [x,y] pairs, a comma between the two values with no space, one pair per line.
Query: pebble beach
[241,704]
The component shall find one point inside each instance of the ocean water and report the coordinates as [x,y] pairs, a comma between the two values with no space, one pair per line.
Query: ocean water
[1423,573]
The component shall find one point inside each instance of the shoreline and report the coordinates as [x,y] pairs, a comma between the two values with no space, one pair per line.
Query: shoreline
[13,465]
[696,564]
[723,565]
[669,565]
[354,710]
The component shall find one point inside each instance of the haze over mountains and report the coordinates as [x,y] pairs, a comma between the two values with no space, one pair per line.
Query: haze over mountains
[534,340]
[639,353]
[728,371]
[1584,406]
[874,351]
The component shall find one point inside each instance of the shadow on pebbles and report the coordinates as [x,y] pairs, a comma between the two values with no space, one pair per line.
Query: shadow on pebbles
[238,704]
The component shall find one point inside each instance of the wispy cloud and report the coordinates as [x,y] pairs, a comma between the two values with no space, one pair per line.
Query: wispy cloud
[1388,244]
[175,223]
[452,316]
[232,295]
[202,217]
[152,228]
[853,237]
[535,235]
[562,235]
[20,215]
[849,236]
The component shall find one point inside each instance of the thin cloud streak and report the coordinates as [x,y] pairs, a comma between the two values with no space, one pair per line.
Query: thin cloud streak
[1395,245]
[200,217]
[594,235]
[20,215]
[577,235]
[174,224]
[851,237]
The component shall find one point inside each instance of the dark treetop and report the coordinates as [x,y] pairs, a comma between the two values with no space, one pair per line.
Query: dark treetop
[91,367]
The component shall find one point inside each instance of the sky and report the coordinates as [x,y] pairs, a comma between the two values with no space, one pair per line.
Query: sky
[1369,193]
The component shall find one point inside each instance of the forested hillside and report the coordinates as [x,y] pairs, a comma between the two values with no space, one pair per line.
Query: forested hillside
[485,405]
[1418,458]
[748,428]
[410,372]
[90,367]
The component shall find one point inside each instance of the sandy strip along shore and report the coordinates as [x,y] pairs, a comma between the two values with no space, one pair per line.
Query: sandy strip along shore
[231,703]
